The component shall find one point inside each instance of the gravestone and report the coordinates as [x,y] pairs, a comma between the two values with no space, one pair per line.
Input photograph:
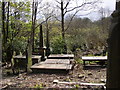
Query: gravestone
[41,49]
[113,68]
[47,43]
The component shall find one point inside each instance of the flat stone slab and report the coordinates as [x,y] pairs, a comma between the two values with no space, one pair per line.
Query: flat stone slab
[52,66]
[94,58]
[57,61]
[61,56]
[24,57]
[102,59]
[35,58]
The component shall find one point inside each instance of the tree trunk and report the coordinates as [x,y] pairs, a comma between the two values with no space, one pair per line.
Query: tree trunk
[29,56]
[9,50]
[63,30]
[3,23]
[7,25]
[34,13]
[33,24]
[31,39]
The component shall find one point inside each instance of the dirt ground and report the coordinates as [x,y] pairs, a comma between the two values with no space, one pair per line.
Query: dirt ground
[41,80]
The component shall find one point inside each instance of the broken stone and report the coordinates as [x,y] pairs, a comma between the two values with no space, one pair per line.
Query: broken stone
[55,81]
[103,80]
[81,76]
[10,83]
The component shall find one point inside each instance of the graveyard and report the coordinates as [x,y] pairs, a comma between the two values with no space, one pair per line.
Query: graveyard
[42,80]
[44,46]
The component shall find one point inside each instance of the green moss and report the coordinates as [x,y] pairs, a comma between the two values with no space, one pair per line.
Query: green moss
[77,86]
[39,86]
[79,61]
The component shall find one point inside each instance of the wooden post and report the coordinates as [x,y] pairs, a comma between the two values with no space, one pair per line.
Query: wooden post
[113,68]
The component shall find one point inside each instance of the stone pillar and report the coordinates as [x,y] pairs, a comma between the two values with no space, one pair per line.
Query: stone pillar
[113,67]
[47,43]
[41,43]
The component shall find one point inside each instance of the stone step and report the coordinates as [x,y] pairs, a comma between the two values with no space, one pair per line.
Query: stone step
[61,56]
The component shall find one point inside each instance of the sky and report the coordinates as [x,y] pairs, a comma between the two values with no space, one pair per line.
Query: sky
[108,4]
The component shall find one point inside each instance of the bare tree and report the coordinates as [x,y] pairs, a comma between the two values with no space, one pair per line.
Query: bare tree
[48,13]
[105,13]
[104,23]
[64,7]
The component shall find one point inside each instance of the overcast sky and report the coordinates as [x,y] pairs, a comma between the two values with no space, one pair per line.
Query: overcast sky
[108,4]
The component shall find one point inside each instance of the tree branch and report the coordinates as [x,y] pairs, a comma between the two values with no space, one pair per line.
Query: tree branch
[79,6]
[43,21]
[57,19]
[71,20]
[67,4]
[58,2]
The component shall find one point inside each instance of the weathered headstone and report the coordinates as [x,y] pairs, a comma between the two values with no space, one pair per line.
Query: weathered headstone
[113,69]
[41,44]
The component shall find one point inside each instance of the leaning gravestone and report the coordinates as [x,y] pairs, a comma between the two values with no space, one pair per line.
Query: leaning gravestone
[113,69]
